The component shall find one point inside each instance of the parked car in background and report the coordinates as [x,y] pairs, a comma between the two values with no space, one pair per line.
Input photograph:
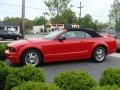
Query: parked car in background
[61,45]
[118,41]
[9,35]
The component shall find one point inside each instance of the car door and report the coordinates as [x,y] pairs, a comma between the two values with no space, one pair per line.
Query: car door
[74,47]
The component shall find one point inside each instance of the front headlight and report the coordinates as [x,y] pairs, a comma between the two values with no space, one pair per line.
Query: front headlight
[11,49]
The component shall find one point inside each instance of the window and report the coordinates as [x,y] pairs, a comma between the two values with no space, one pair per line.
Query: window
[87,35]
[10,32]
[2,28]
[76,34]
[53,34]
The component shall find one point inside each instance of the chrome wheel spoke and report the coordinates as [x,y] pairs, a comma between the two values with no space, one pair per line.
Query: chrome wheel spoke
[32,59]
[100,54]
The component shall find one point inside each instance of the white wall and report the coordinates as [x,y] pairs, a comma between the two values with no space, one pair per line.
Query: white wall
[36,29]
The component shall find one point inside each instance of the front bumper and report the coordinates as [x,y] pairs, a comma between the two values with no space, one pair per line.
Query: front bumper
[12,57]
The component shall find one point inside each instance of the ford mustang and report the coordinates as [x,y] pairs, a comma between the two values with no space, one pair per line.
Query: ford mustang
[61,45]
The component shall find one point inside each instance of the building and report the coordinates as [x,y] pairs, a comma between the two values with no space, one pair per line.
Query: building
[10,26]
[38,29]
[51,27]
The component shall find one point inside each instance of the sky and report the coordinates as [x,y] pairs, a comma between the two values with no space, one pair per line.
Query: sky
[98,9]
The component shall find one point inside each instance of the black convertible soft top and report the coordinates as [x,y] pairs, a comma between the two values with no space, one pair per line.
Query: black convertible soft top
[91,32]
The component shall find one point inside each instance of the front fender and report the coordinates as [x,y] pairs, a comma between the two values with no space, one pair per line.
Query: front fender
[26,47]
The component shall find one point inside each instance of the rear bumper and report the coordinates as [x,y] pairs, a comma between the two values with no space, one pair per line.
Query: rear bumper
[12,57]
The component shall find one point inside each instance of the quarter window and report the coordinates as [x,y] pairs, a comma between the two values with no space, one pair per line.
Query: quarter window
[87,35]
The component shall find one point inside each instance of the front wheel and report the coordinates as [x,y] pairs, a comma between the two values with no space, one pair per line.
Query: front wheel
[32,57]
[1,38]
[99,54]
[17,38]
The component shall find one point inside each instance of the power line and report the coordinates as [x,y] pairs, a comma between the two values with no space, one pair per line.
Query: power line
[14,5]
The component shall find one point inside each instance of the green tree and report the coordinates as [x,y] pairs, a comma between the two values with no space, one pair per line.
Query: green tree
[28,24]
[39,20]
[68,16]
[87,21]
[115,14]
[17,21]
[56,7]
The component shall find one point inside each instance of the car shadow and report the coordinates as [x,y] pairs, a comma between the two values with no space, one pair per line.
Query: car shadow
[67,62]
[54,63]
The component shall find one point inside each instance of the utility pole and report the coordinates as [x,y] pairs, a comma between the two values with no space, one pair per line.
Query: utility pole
[23,19]
[58,11]
[44,22]
[80,7]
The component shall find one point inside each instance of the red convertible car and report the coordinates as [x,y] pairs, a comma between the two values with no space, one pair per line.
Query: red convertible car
[61,45]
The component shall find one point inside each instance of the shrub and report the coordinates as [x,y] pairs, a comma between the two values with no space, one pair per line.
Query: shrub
[106,88]
[74,80]
[2,51]
[3,74]
[110,77]
[5,70]
[36,86]
[24,74]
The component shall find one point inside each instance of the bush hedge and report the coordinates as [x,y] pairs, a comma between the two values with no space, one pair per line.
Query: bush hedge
[24,74]
[74,80]
[2,51]
[106,88]
[110,77]
[3,74]
[5,70]
[31,78]
[36,86]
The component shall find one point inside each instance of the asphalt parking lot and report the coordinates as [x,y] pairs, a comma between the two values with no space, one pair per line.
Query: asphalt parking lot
[94,69]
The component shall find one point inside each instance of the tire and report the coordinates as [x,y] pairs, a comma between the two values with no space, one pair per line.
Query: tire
[99,54]
[1,38]
[32,57]
[17,38]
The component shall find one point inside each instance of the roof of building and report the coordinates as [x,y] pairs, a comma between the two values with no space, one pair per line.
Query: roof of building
[3,24]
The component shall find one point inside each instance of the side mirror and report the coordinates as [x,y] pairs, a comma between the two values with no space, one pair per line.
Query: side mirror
[61,38]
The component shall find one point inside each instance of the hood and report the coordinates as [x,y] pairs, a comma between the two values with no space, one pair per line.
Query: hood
[26,41]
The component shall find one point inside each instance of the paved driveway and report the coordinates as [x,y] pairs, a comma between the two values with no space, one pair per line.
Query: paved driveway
[94,69]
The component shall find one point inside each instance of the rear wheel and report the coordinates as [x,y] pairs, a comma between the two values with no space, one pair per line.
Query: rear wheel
[99,54]
[32,57]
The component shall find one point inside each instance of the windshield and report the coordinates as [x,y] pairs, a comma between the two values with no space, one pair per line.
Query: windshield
[53,34]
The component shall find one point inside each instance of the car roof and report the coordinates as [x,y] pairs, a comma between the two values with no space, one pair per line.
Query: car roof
[89,31]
